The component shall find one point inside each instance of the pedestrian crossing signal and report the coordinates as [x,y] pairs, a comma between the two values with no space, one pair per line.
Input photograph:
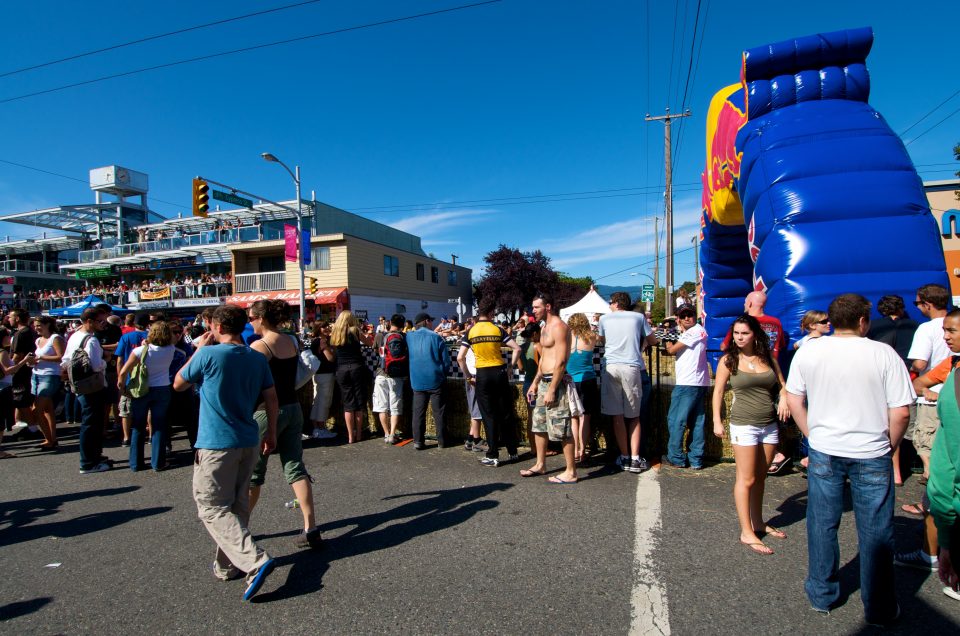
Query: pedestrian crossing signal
[314,285]
[201,197]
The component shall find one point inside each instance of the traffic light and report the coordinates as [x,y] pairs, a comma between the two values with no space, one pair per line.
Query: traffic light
[313,285]
[201,197]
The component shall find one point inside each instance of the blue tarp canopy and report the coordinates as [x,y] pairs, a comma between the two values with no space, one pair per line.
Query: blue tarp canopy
[74,310]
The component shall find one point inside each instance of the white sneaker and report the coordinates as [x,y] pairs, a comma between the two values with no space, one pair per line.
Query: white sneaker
[19,426]
[387,439]
[952,593]
[102,467]
[304,437]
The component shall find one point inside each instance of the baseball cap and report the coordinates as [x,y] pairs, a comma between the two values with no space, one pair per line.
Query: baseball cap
[422,317]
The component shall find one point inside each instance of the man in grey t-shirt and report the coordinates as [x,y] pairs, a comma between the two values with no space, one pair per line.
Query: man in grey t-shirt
[625,334]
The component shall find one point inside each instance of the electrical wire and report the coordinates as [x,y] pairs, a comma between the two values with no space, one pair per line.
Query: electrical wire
[245,49]
[155,37]
[930,112]
[932,127]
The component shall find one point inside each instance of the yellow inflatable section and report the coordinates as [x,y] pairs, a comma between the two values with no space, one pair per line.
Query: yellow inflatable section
[725,117]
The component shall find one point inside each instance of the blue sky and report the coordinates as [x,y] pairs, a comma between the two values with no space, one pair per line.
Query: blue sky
[452,127]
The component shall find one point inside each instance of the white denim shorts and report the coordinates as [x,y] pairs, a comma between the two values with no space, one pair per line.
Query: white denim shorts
[750,435]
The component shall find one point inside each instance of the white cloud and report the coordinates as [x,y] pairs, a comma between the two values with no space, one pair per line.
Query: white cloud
[437,224]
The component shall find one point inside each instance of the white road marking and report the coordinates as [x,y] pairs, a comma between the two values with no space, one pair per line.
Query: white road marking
[648,598]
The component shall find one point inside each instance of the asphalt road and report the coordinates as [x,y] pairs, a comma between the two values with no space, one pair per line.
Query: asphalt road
[424,542]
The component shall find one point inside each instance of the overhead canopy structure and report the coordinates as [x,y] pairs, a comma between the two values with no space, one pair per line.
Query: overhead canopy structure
[74,310]
[86,219]
[592,303]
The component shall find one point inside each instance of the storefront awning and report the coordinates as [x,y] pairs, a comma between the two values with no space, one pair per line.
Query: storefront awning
[327,296]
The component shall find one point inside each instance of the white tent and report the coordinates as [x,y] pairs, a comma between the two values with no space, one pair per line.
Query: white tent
[592,303]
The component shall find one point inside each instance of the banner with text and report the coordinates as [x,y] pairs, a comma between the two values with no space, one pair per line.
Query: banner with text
[290,243]
[155,295]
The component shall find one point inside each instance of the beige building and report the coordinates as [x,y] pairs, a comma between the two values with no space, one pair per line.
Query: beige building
[942,198]
[381,272]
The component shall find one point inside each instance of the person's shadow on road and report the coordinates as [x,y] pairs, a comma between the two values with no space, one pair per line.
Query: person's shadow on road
[430,512]
[17,517]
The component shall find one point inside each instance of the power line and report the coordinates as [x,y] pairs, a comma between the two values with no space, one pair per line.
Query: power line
[156,37]
[932,127]
[683,102]
[388,208]
[245,49]
[933,110]
[84,181]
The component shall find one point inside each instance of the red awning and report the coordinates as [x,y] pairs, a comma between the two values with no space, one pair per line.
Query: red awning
[329,296]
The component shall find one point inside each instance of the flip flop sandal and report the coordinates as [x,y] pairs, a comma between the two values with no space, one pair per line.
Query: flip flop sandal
[775,532]
[526,472]
[557,480]
[917,509]
[759,547]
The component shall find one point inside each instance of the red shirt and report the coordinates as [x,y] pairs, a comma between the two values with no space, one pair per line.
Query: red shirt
[774,331]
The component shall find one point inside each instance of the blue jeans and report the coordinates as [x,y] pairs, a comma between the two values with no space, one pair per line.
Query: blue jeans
[686,402]
[871,487]
[156,401]
[91,428]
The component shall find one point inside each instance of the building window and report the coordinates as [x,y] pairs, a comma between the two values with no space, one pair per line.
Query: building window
[270,264]
[420,270]
[320,258]
[452,277]
[391,265]
[434,274]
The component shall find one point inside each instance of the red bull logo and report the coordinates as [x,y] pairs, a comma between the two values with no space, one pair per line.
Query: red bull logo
[724,120]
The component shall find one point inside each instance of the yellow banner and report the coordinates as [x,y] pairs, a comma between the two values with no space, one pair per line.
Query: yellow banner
[155,295]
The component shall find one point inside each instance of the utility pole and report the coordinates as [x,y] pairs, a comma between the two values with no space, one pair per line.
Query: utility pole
[668,203]
[656,257]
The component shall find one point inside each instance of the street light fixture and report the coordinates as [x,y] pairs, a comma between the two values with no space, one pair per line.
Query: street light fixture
[295,175]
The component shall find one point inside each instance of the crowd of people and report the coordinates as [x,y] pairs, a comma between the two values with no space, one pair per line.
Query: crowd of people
[232,378]
[200,285]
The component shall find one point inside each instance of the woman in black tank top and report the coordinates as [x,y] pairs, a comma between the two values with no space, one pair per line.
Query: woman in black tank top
[282,353]
[353,377]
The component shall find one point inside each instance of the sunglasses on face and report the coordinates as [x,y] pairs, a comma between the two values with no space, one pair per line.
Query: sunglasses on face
[825,321]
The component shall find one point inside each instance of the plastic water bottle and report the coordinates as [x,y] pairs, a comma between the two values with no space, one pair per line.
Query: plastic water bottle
[290,505]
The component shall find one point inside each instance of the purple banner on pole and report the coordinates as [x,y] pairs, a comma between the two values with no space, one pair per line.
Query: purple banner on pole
[290,243]
[305,242]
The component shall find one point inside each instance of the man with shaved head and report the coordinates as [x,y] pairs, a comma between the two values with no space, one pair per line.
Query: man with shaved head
[753,305]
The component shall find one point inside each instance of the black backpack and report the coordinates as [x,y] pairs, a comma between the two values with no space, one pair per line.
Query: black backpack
[396,358]
[83,379]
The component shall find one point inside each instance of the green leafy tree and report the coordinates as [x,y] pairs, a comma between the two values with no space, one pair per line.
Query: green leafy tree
[514,278]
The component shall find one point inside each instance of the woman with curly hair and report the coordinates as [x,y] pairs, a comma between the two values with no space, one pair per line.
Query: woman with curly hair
[353,376]
[759,399]
[580,367]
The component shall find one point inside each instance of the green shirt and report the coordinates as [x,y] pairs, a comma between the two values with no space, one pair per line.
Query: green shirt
[943,486]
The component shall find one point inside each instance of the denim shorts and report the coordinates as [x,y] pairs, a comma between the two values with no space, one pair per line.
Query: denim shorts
[45,386]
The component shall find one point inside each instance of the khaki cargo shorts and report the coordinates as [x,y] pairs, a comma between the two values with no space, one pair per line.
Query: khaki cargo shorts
[553,420]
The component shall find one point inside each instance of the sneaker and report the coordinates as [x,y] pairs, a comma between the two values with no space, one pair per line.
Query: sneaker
[513,457]
[917,560]
[468,445]
[387,440]
[322,433]
[638,465]
[304,437]
[418,446]
[666,463]
[623,463]
[125,442]
[952,593]
[230,574]
[481,447]
[310,539]
[256,582]
[102,467]
[490,461]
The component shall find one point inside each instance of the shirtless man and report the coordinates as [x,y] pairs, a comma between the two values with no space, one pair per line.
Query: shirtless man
[549,395]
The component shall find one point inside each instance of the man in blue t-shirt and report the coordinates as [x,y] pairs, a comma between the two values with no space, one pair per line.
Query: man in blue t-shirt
[234,380]
[128,342]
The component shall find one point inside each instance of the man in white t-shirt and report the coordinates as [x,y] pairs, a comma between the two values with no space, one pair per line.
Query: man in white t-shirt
[687,399]
[624,334]
[926,352]
[850,397]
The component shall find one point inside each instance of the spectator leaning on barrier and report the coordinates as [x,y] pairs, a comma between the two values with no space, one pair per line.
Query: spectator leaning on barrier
[391,374]
[429,361]
[687,399]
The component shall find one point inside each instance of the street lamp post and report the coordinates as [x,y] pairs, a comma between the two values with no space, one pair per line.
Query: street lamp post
[296,180]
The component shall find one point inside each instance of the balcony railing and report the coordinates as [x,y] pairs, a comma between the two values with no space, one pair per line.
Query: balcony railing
[176,292]
[263,281]
[248,234]
[29,266]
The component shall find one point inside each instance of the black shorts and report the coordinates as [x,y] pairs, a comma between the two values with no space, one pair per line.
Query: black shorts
[589,394]
[22,397]
[353,382]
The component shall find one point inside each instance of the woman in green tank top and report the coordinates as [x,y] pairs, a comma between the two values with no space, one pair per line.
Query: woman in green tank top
[759,400]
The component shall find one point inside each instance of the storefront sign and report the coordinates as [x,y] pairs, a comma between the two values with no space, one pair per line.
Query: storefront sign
[173,263]
[132,267]
[151,304]
[96,272]
[291,297]
[197,302]
[155,295]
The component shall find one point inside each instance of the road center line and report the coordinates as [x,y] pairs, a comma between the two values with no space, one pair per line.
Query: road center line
[648,597]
